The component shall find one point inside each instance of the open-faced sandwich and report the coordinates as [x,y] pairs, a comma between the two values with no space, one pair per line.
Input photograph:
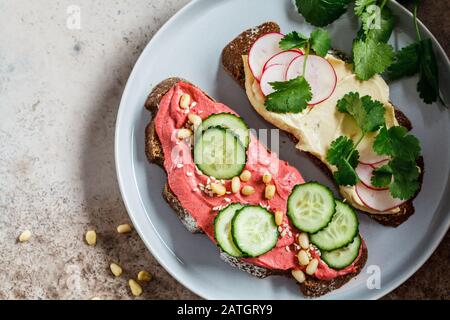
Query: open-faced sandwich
[347,125]
[221,181]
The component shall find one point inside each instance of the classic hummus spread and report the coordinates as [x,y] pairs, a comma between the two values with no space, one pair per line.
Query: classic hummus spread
[185,179]
[316,127]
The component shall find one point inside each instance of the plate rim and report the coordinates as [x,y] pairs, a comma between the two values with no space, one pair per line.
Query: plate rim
[400,279]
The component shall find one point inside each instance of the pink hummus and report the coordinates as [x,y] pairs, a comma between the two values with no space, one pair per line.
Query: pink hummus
[184,179]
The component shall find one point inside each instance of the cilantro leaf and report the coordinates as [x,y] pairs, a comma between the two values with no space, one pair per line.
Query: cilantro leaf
[368,114]
[343,154]
[293,40]
[320,42]
[406,62]
[398,143]
[428,85]
[321,12]
[371,57]
[400,175]
[290,96]
[370,28]
[361,5]
[346,174]
[381,177]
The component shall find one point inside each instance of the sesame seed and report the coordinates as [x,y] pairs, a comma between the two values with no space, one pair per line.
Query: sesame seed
[288,249]
[227,200]
[280,229]
[180,165]
[195,190]
[193,104]
[189,174]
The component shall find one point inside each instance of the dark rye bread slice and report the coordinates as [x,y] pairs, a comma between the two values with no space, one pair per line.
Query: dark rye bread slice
[234,66]
[312,287]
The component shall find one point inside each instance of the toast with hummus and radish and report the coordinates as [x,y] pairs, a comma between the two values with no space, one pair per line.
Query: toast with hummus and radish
[347,126]
[258,210]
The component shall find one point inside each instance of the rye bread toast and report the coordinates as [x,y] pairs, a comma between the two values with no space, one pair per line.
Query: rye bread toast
[234,66]
[312,287]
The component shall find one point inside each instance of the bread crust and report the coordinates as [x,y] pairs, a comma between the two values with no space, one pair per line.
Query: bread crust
[234,66]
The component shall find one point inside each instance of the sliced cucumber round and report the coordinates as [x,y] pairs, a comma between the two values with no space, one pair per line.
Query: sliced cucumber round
[219,153]
[222,229]
[340,231]
[229,121]
[343,257]
[254,230]
[310,206]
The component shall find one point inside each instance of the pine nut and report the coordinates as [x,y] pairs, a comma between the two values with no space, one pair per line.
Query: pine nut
[25,236]
[246,176]
[303,241]
[303,258]
[91,238]
[267,178]
[135,287]
[116,269]
[278,218]
[235,185]
[124,228]
[184,133]
[185,101]
[218,189]
[248,190]
[195,120]
[312,267]
[298,275]
[270,192]
[144,276]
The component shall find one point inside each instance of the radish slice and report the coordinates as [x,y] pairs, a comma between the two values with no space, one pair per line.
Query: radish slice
[372,159]
[365,173]
[284,58]
[273,73]
[320,75]
[262,50]
[378,200]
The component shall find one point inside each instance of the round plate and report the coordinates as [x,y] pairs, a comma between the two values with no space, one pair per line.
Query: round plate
[190,46]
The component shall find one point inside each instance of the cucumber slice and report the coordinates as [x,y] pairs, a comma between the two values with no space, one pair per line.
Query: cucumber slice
[222,229]
[229,121]
[218,153]
[310,206]
[340,231]
[254,230]
[343,257]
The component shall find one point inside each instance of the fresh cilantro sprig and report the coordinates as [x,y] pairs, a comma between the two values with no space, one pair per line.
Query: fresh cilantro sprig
[321,12]
[401,174]
[343,153]
[293,96]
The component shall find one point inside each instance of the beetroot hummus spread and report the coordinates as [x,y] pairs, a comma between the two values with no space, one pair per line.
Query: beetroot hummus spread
[185,180]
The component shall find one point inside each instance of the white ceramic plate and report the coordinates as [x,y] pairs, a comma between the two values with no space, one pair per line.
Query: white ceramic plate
[190,46]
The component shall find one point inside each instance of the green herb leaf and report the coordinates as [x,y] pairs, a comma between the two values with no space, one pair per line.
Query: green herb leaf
[293,40]
[346,174]
[320,42]
[368,114]
[370,58]
[340,149]
[290,96]
[406,62]
[321,12]
[398,143]
[428,85]
[361,5]
[370,29]
[381,177]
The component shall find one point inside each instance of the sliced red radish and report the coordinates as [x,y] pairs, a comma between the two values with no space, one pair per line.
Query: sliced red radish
[365,173]
[284,58]
[320,75]
[372,159]
[273,73]
[262,50]
[378,200]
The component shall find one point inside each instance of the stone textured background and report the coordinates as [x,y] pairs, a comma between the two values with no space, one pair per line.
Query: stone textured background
[59,94]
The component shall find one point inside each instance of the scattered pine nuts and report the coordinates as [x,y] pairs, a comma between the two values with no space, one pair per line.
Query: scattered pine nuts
[270,192]
[195,120]
[312,267]
[278,218]
[218,189]
[298,275]
[185,101]
[246,176]
[248,190]
[184,133]
[135,287]
[303,258]
[235,185]
[116,269]
[91,238]
[124,228]
[25,236]
[144,276]
[267,178]
[303,241]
